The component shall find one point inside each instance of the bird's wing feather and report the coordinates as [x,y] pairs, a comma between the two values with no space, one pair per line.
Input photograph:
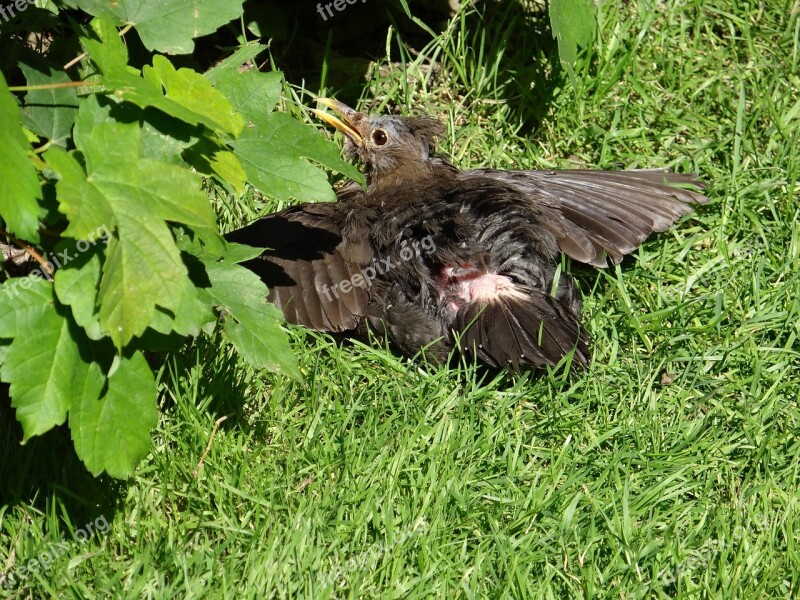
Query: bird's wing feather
[307,259]
[600,214]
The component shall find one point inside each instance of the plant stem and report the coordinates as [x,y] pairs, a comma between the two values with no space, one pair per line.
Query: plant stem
[52,86]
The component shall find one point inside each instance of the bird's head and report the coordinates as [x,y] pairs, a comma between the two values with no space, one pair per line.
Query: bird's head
[384,143]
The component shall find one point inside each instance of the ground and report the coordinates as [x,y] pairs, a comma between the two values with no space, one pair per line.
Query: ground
[668,468]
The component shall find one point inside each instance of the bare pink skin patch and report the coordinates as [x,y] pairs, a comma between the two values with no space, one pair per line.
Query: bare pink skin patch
[465,284]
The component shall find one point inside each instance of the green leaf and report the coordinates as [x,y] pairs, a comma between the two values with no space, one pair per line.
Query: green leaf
[49,113]
[183,93]
[114,169]
[19,182]
[232,63]
[228,168]
[162,137]
[251,93]
[76,286]
[210,158]
[167,191]
[44,367]
[272,151]
[168,25]
[22,299]
[252,324]
[200,242]
[82,202]
[112,433]
[108,143]
[107,50]
[117,177]
[274,146]
[239,253]
[192,91]
[257,336]
[573,25]
[165,138]
[143,269]
[188,319]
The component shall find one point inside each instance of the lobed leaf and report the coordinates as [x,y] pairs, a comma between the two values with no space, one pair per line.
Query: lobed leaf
[112,433]
[272,151]
[168,25]
[188,319]
[21,299]
[133,197]
[252,324]
[143,269]
[231,64]
[192,91]
[251,93]
[49,113]
[43,364]
[183,93]
[80,200]
[274,147]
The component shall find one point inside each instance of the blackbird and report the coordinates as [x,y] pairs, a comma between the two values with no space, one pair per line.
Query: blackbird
[436,257]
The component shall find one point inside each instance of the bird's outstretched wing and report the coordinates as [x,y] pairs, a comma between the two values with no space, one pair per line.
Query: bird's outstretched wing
[313,271]
[601,215]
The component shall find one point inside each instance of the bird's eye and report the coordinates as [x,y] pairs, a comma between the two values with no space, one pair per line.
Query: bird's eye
[379,137]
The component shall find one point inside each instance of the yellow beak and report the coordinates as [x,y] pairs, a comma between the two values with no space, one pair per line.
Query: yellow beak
[347,113]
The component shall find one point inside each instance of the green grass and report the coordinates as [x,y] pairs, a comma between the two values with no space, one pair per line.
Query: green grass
[670,468]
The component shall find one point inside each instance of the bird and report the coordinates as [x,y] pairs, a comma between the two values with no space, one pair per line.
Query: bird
[437,258]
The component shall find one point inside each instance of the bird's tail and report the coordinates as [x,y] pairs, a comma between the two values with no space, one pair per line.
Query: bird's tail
[523,328]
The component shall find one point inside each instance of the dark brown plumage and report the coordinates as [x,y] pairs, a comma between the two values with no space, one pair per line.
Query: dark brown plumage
[436,257]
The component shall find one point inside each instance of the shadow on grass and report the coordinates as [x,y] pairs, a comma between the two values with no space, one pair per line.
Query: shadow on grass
[45,473]
[520,42]
[315,44]
[338,52]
